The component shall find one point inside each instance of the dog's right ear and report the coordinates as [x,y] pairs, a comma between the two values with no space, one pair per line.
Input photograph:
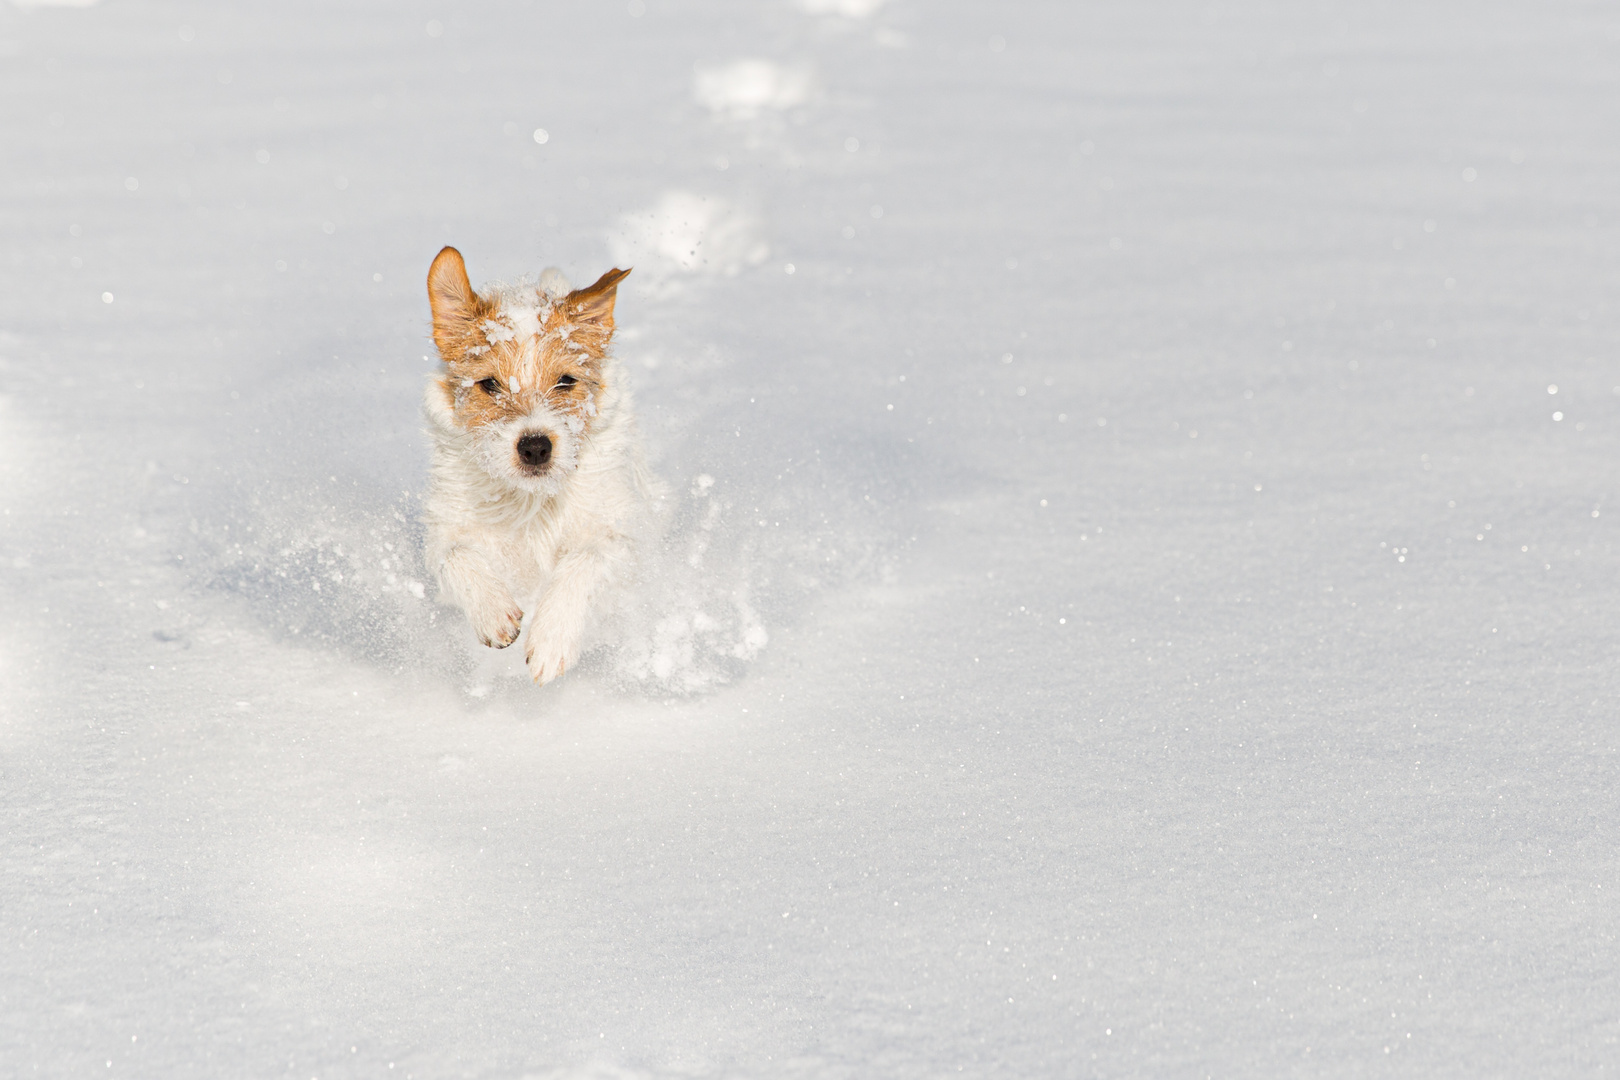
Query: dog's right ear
[452,299]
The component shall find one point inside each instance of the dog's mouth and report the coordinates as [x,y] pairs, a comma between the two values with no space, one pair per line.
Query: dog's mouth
[532,453]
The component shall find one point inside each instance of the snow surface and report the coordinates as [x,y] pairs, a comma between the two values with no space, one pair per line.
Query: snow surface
[1133,604]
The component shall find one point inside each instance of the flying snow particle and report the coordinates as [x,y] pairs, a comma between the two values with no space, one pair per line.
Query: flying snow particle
[106,298]
[542,136]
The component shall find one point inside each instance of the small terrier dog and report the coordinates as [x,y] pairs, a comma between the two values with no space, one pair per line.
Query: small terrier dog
[537,474]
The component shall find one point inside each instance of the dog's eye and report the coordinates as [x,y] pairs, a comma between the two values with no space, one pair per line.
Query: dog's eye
[489,386]
[566,381]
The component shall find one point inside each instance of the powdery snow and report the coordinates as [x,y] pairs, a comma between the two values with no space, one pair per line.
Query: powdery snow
[684,233]
[1128,605]
[745,88]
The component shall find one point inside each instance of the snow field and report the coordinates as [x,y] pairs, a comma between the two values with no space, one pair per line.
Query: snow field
[1131,604]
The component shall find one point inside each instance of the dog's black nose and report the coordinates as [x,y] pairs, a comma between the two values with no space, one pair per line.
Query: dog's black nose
[534,450]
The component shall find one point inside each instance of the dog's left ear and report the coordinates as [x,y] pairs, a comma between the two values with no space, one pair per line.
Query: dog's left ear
[594,303]
[452,299]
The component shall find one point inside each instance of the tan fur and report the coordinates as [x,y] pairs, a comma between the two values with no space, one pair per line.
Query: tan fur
[573,340]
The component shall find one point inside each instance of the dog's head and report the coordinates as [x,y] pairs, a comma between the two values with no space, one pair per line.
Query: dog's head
[523,374]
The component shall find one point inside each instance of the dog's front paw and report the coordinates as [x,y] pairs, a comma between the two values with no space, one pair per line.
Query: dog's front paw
[498,625]
[550,654]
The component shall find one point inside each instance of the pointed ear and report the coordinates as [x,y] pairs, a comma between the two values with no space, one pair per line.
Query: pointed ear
[594,303]
[451,296]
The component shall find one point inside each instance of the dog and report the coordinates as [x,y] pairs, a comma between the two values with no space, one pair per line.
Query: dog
[537,476]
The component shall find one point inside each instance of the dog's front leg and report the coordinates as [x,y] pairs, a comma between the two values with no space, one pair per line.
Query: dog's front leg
[559,621]
[468,582]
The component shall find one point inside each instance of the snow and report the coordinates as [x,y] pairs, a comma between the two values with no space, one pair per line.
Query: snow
[522,307]
[1285,749]
[685,232]
[851,9]
[745,88]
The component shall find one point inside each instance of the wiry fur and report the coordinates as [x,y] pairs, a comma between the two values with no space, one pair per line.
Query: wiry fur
[507,536]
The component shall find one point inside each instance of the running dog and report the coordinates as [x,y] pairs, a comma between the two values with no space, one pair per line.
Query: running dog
[537,474]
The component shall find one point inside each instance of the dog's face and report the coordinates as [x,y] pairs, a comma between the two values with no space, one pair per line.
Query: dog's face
[523,370]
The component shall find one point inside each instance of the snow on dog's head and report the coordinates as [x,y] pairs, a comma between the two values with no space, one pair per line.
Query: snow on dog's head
[523,371]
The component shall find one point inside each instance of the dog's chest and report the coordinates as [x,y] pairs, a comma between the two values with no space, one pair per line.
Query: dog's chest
[529,547]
